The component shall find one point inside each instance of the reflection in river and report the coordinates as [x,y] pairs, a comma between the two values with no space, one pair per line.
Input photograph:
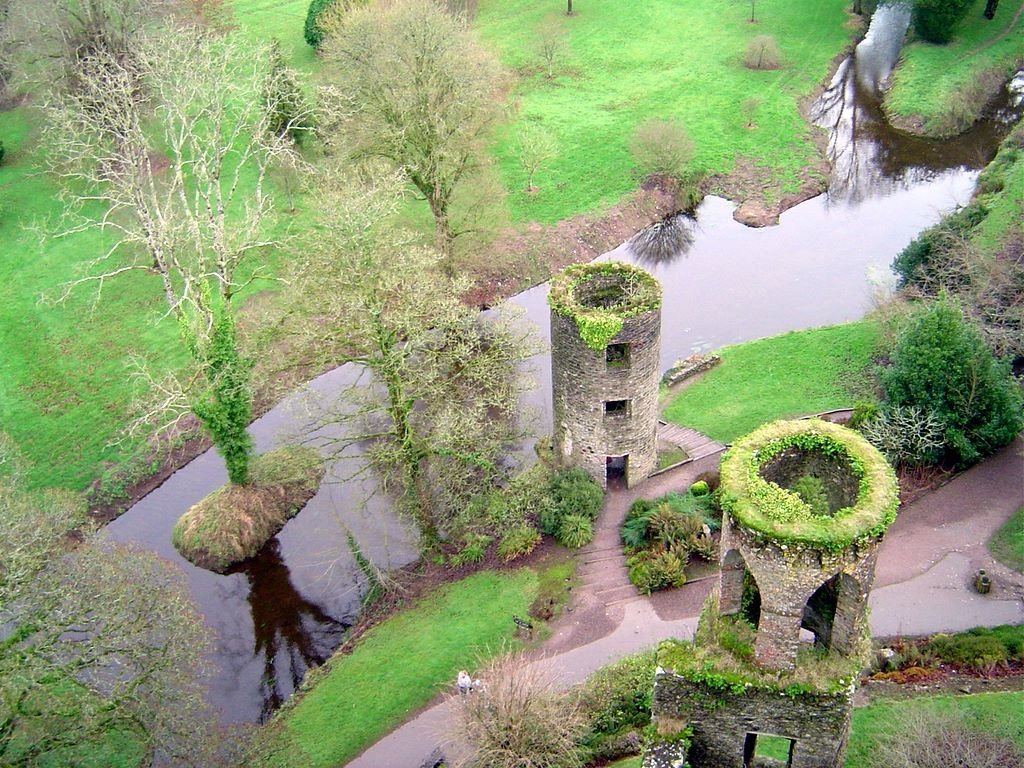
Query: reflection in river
[869,157]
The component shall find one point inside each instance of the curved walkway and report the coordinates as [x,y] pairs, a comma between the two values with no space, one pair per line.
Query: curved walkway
[922,585]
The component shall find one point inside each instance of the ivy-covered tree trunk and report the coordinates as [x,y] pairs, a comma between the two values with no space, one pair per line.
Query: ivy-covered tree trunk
[224,405]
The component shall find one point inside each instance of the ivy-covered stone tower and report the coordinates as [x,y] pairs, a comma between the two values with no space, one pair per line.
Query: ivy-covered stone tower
[780,646]
[605,368]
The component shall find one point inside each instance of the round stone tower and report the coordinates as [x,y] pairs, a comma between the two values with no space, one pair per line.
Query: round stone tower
[806,504]
[605,369]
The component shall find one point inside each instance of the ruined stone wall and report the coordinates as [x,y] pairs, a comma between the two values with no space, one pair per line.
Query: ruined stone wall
[721,721]
[583,381]
[787,577]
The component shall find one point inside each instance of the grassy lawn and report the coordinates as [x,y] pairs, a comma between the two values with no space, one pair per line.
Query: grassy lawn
[627,62]
[401,664]
[1007,545]
[790,375]
[929,77]
[997,713]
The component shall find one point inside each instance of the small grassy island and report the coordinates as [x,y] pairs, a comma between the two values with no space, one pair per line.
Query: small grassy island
[235,521]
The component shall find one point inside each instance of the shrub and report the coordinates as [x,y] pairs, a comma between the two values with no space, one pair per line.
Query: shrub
[933,738]
[941,364]
[517,542]
[936,20]
[312,30]
[907,435]
[863,412]
[700,488]
[573,493]
[651,571]
[3,151]
[762,53]
[703,545]
[662,148]
[519,720]
[672,528]
[915,263]
[617,697]
[634,532]
[575,531]
[812,490]
[979,652]
[289,113]
[473,551]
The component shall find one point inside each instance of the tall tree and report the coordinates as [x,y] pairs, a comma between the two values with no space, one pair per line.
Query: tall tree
[195,219]
[434,411]
[100,643]
[415,88]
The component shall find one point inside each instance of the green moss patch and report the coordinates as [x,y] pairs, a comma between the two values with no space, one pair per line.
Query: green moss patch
[600,296]
[783,515]
[235,521]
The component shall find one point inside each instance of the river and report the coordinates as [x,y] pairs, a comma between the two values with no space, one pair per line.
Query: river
[286,610]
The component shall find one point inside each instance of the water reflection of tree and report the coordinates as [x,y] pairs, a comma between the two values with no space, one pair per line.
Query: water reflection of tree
[664,241]
[291,633]
[870,158]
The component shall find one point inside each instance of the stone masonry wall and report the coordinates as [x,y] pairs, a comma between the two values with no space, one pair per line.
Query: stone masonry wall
[786,578]
[721,721]
[583,381]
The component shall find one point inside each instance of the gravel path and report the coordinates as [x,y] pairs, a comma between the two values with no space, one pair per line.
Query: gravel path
[922,585]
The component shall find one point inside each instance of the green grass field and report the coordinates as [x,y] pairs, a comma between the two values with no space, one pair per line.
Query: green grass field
[628,62]
[929,77]
[794,374]
[1007,545]
[65,388]
[996,713]
[401,664]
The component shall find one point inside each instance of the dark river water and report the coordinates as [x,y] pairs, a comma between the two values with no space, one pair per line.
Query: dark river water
[287,609]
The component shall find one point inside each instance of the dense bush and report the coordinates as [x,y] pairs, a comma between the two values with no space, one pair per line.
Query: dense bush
[573,493]
[575,531]
[312,31]
[980,649]
[474,549]
[941,364]
[517,542]
[662,148]
[651,570]
[617,698]
[915,262]
[936,20]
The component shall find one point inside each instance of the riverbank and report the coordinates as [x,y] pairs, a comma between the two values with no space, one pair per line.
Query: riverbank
[940,91]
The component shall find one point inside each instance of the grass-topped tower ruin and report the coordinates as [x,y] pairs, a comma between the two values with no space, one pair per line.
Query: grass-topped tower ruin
[605,367]
[775,660]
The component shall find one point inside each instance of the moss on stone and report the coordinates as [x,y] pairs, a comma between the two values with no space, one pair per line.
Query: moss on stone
[600,296]
[780,514]
[235,521]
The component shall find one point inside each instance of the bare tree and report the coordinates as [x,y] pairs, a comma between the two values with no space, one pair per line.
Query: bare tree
[53,39]
[195,219]
[519,720]
[535,148]
[550,43]
[98,642]
[415,88]
[434,409]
